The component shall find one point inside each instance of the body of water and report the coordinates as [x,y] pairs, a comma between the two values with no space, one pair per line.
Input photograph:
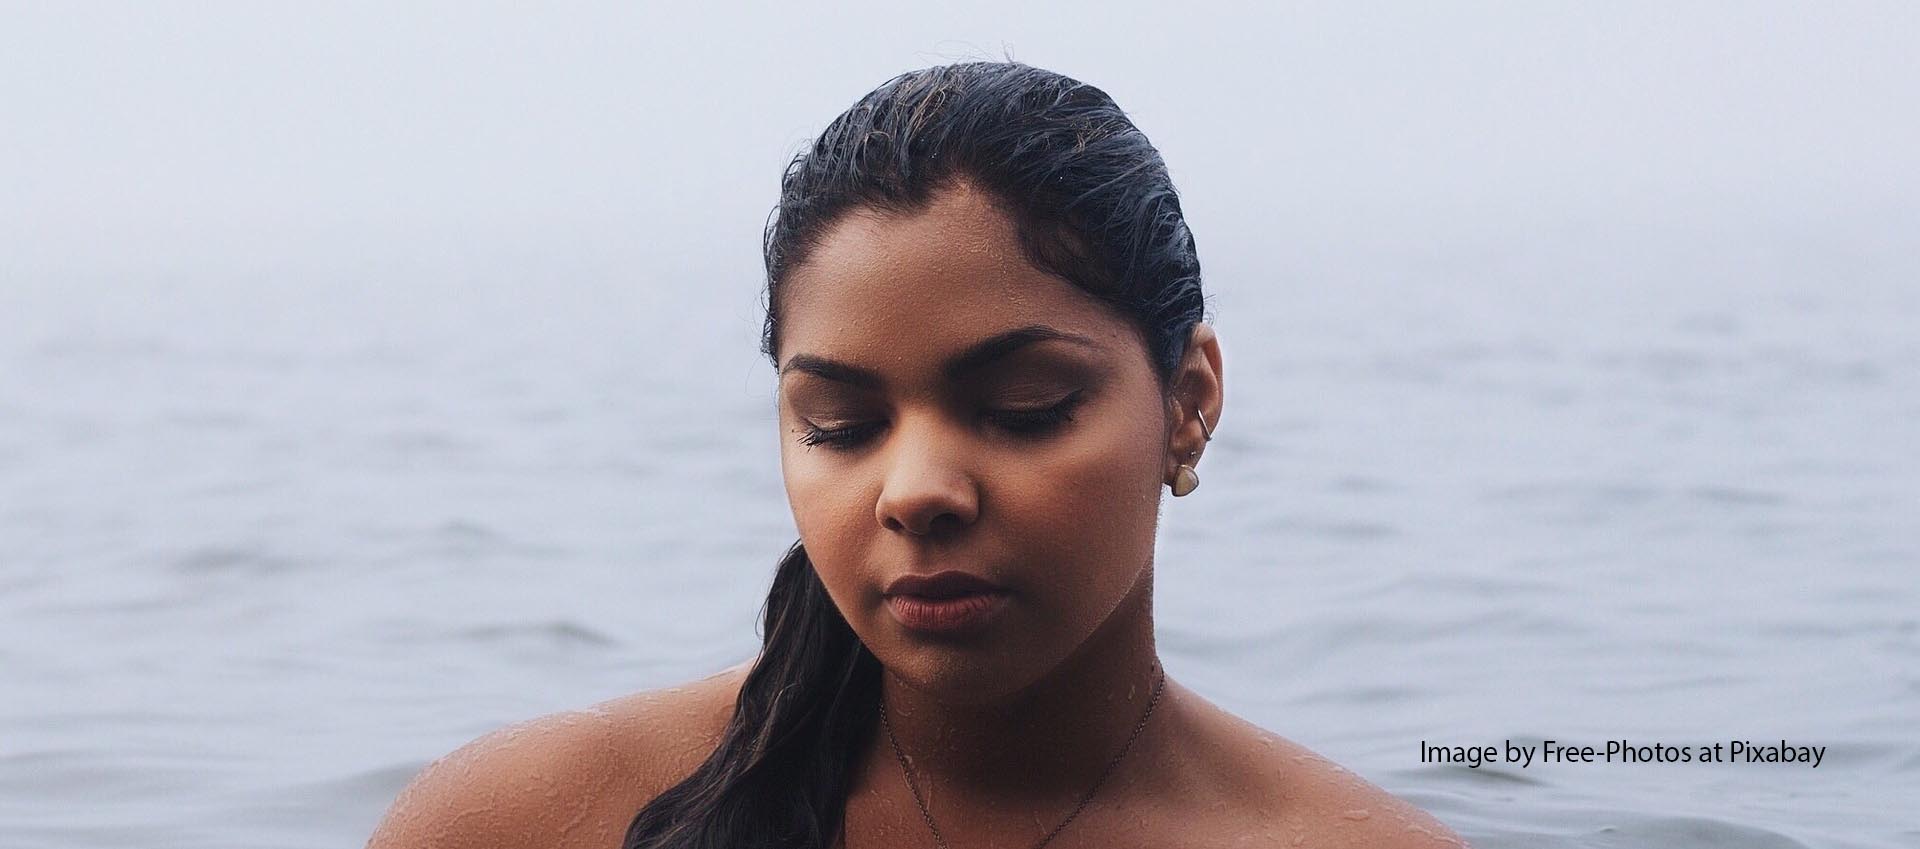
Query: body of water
[269,550]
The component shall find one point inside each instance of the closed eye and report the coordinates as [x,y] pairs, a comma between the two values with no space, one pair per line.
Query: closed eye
[838,437]
[1021,422]
[1038,421]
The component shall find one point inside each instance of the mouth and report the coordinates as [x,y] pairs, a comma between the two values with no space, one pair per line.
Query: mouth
[941,585]
[945,603]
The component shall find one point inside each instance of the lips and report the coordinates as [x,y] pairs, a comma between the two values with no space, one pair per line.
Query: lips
[947,603]
[942,585]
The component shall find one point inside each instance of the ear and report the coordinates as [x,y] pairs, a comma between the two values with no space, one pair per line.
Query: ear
[1197,385]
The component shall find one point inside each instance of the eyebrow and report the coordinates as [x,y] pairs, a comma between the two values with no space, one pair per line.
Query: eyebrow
[976,357]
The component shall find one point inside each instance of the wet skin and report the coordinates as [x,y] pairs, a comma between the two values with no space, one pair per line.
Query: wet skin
[946,405]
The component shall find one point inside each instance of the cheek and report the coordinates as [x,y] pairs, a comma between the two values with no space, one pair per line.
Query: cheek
[827,510]
[1088,514]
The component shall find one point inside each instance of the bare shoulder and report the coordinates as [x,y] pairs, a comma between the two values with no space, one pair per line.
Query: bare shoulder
[1292,791]
[568,779]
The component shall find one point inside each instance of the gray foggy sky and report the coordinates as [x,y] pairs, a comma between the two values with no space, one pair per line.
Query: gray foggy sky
[329,139]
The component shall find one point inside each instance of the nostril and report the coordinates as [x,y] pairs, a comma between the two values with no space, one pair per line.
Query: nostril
[945,523]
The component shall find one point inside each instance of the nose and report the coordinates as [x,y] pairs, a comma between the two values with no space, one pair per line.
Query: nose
[928,488]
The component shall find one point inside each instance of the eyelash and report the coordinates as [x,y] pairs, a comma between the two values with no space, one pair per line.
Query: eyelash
[1021,422]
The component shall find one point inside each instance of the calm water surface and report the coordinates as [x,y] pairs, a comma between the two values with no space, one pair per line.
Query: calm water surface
[270,546]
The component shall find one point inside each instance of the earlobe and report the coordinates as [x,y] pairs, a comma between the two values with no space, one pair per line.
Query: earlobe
[1185,479]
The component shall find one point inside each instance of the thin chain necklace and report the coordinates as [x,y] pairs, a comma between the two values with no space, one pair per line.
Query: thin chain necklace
[928,815]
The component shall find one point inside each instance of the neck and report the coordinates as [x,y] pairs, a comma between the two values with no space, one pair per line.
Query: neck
[1053,738]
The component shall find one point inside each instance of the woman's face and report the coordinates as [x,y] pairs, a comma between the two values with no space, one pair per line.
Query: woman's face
[945,405]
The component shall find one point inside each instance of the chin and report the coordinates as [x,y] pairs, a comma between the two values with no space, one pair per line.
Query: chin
[958,673]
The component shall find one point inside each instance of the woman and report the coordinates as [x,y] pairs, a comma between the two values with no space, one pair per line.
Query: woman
[984,307]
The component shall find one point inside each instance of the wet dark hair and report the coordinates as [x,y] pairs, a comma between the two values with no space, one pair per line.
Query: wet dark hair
[1092,202]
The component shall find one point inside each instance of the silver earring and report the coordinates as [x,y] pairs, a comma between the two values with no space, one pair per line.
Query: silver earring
[1185,479]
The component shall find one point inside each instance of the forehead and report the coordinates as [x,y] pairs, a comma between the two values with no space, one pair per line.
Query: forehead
[890,288]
